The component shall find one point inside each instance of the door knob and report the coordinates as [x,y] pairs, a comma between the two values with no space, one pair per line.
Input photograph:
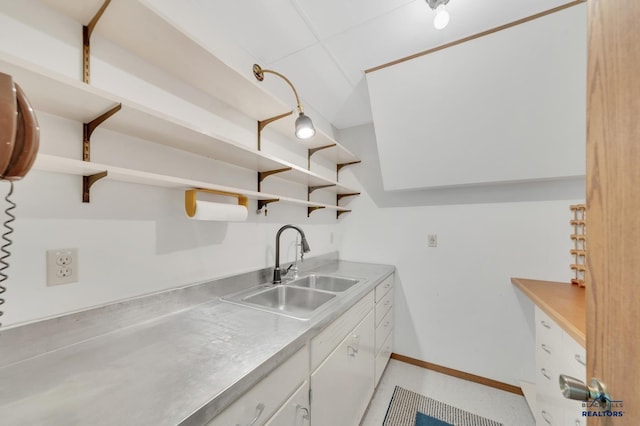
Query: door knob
[573,388]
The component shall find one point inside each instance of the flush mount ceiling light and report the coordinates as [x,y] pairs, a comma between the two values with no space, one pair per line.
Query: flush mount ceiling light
[304,125]
[442,16]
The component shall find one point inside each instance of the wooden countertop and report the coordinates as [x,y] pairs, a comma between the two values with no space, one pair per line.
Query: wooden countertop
[564,302]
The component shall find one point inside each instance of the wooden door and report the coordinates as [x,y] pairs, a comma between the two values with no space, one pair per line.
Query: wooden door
[613,204]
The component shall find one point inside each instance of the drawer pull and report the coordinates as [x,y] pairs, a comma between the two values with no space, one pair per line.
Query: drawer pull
[352,350]
[387,303]
[386,324]
[545,324]
[546,416]
[259,410]
[579,359]
[578,423]
[546,348]
[545,373]
[304,410]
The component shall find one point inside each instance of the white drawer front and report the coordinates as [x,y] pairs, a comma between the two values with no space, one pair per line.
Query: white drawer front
[384,329]
[325,342]
[383,306]
[574,358]
[294,412]
[548,332]
[383,358]
[384,287]
[261,401]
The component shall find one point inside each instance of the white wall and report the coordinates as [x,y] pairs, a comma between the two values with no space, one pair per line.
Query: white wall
[506,107]
[134,239]
[455,304]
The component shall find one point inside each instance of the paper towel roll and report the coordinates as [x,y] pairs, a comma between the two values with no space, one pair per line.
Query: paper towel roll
[206,210]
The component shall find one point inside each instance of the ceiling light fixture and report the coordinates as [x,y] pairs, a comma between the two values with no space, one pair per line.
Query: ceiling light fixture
[304,125]
[442,16]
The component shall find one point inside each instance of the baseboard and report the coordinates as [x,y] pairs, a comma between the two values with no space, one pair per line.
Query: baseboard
[459,374]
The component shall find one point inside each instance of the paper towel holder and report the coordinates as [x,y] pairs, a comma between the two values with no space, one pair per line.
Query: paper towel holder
[190,198]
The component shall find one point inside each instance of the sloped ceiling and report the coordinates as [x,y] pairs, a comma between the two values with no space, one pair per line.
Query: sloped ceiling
[324,46]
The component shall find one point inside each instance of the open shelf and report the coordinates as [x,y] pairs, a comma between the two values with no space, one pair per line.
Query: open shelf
[137,27]
[64,96]
[55,164]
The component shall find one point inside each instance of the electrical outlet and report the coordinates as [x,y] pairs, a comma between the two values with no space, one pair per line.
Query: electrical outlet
[62,266]
[432,240]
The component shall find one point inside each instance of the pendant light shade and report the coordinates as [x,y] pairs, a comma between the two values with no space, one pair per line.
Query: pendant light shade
[304,127]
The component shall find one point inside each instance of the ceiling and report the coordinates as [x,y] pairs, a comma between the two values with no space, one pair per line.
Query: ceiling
[324,46]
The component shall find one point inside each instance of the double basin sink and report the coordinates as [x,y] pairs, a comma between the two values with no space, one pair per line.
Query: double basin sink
[299,298]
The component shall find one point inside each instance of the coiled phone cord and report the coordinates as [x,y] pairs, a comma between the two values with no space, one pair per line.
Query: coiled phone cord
[7,243]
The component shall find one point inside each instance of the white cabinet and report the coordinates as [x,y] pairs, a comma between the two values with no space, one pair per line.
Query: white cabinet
[556,353]
[294,412]
[260,402]
[343,384]
[384,325]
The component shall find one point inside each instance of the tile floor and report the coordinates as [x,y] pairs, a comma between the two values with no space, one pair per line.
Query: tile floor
[501,406]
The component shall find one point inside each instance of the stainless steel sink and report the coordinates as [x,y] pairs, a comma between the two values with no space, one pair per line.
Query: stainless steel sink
[296,302]
[325,282]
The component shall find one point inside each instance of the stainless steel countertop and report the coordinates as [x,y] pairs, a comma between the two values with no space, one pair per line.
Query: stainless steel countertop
[181,368]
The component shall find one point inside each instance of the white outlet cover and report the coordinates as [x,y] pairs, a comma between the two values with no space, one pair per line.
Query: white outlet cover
[62,266]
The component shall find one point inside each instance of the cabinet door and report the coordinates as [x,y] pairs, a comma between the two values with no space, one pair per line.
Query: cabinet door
[343,384]
[294,412]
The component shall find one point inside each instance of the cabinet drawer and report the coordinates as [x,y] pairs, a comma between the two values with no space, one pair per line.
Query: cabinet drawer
[325,342]
[383,306]
[548,332]
[294,412]
[384,287]
[268,395]
[383,330]
[549,413]
[383,358]
[574,358]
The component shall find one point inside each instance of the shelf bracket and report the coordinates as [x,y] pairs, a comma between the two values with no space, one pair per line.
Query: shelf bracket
[263,123]
[262,204]
[342,165]
[88,128]
[263,175]
[339,212]
[312,209]
[313,188]
[86,42]
[314,150]
[341,196]
[87,183]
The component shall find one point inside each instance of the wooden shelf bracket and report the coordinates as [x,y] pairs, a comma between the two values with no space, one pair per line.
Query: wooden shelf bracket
[341,196]
[262,205]
[263,123]
[343,165]
[314,150]
[311,209]
[88,128]
[313,188]
[263,175]
[86,42]
[339,212]
[87,183]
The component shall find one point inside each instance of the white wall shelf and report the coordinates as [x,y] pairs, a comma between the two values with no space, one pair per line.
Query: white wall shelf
[55,164]
[135,26]
[64,96]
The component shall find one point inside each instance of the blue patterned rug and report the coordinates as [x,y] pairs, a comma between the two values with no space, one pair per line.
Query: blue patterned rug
[408,408]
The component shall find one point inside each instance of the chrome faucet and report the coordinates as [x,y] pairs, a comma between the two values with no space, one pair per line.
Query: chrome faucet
[277,275]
